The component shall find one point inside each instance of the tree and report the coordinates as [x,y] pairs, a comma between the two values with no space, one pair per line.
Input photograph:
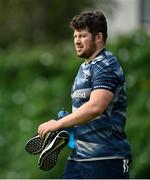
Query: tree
[30,22]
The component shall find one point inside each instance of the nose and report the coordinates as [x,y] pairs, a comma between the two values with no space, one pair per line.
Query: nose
[77,40]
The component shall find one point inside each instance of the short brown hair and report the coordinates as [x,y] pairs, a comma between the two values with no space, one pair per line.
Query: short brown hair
[94,21]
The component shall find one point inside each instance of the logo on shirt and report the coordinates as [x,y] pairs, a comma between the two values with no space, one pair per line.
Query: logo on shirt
[81,93]
[85,76]
[78,94]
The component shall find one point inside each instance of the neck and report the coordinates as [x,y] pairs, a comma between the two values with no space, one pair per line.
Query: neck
[88,60]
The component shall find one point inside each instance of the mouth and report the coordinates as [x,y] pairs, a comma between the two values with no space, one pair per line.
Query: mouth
[79,48]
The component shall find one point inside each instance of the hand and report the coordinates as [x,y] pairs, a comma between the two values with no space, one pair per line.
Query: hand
[49,126]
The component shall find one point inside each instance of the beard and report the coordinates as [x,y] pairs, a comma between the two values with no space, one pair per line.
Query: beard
[88,52]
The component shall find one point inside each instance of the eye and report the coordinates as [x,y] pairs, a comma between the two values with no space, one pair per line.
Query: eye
[83,35]
[74,36]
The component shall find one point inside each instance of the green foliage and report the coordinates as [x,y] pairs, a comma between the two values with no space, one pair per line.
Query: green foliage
[30,22]
[36,84]
[133,52]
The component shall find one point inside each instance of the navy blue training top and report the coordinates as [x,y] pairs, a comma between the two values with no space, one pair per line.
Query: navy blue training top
[103,137]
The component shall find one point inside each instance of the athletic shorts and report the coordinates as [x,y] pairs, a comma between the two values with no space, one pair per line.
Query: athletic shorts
[102,169]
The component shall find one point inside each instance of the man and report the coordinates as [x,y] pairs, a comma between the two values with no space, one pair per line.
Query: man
[99,106]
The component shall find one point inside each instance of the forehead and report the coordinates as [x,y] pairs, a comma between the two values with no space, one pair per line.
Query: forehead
[81,31]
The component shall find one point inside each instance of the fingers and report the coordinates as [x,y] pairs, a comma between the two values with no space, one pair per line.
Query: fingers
[46,127]
[42,130]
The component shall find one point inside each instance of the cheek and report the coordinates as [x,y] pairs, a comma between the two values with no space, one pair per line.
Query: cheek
[86,43]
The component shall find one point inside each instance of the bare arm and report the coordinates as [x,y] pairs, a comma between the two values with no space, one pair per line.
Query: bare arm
[98,102]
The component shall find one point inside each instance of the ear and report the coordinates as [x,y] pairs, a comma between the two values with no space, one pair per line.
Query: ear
[99,37]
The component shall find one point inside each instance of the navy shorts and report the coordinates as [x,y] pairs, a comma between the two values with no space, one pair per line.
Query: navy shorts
[102,169]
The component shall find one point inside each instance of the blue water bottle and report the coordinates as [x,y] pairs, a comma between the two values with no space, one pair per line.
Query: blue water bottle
[61,114]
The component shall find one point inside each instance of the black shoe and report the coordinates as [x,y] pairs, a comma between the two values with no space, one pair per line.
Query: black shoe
[49,155]
[35,145]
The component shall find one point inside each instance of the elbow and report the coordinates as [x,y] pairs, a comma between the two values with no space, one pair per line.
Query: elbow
[96,110]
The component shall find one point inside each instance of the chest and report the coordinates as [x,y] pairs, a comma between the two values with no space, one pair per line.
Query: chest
[82,85]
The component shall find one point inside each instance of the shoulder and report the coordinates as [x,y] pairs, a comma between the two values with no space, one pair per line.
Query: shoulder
[107,61]
[105,58]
